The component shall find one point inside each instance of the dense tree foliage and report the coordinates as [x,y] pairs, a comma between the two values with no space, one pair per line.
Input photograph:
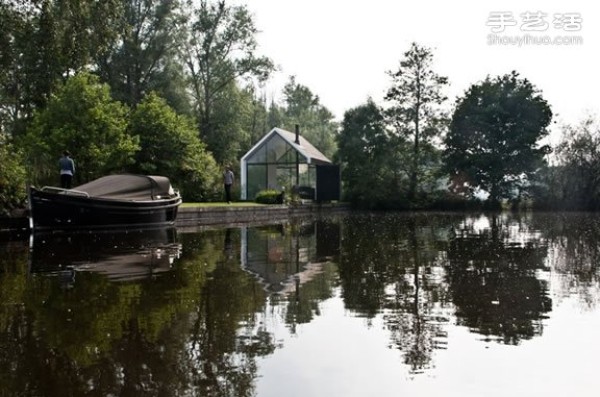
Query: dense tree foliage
[415,112]
[201,57]
[220,50]
[493,142]
[170,146]
[84,119]
[135,47]
[42,43]
[316,122]
[12,177]
[201,60]
[233,111]
[395,162]
[140,59]
[572,181]
[366,156]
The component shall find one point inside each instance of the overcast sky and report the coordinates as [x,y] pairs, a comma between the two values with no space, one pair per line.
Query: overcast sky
[341,49]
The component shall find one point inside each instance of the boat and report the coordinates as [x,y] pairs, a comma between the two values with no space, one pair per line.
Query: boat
[113,201]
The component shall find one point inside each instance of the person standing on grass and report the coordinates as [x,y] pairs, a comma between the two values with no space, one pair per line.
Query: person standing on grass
[228,179]
[67,170]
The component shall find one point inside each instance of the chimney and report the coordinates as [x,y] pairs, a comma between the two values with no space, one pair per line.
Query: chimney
[297,134]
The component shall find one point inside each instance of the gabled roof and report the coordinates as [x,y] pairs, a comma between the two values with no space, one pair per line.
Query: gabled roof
[305,148]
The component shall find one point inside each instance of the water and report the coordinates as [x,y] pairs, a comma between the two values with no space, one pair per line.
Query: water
[352,305]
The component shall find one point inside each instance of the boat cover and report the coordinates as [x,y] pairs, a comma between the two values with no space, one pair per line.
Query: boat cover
[129,187]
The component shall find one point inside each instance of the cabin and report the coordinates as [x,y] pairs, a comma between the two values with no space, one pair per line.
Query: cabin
[284,161]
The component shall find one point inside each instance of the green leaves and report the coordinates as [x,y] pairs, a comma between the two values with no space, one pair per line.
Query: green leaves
[83,118]
[415,111]
[494,135]
[12,178]
[170,146]
[140,58]
[304,108]
[364,154]
[220,51]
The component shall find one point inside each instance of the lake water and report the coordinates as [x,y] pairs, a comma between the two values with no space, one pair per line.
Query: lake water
[361,304]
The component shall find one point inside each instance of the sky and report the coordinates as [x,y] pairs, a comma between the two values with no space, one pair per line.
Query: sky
[342,49]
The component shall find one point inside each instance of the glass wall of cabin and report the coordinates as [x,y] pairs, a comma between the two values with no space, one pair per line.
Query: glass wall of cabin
[273,166]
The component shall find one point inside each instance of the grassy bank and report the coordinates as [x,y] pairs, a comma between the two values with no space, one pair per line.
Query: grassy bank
[221,204]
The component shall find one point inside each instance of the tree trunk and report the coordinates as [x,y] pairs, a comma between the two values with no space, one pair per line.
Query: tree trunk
[414,175]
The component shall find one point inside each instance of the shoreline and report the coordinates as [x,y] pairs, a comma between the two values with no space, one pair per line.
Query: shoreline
[194,217]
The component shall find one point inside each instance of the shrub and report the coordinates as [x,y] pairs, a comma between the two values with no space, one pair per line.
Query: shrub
[269,196]
[12,179]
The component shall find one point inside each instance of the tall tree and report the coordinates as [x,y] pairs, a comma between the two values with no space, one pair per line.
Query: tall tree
[258,122]
[85,28]
[141,59]
[275,116]
[304,108]
[365,156]
[42,43]
[11,21]
[221,50]
[495,132]
[415,111]
[233,112]
[30,60]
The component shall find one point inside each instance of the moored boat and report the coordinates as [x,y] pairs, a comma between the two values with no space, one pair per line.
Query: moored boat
[113,201]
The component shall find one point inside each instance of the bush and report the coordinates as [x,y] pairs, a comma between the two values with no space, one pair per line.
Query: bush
[269,196]
[12,180]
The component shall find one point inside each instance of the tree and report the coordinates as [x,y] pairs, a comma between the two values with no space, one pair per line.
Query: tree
[232,113]
[365,157]
[170,146]
[259,117]
[83,118]
[415,112]
[141,59]
[12,177]
[42,43]
[315,120]
[494,135]
[573,182]
[29,60]
[84,28]
[10,20]
[220,51]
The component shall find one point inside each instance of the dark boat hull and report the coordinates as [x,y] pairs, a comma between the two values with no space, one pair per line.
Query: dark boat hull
[60,210]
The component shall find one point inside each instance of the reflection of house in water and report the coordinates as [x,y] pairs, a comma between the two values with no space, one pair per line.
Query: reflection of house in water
[283,257]
[120,256]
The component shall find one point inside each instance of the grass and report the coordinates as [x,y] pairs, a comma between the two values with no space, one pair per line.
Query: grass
[221,204]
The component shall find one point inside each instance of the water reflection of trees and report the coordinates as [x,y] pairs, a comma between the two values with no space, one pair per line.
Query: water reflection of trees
[574,254]
[393,265]
[222,356]
[195,329]
[191,330]
[199,328]
[492,269]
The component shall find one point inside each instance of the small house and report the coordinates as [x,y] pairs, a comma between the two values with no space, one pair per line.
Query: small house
[284,161]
